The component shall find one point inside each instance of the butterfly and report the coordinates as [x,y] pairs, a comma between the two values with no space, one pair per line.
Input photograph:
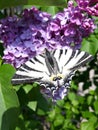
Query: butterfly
[52,70]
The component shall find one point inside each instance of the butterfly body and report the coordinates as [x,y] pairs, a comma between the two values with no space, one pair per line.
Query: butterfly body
[53,71]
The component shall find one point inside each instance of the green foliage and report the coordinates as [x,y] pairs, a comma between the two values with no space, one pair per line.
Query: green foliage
[8,99]
[25,108]
[51,9]
[13,3]
[91,43]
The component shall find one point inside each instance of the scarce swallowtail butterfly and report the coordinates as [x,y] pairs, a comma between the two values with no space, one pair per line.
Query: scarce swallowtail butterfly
[53,71]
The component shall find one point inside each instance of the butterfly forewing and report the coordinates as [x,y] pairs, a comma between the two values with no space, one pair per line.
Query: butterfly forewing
[71,60]
[33,70]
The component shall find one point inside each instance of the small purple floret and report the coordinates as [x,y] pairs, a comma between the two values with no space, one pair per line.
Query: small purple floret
[89,6]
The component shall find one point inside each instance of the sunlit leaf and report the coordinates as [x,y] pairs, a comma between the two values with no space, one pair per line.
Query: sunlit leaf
[87,126]
[75,110]
[32,105]
[6,73]
[91,45]
[89,100]
[59,120]
[96,106]
[51,9]
[87,114]
[9,104]
[40,112]
[71,96]
[27,88]
[13,3]
[52,115]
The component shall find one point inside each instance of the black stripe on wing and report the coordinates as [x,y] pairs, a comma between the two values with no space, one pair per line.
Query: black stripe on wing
[67,80]
[84,56]
[37,60]
[74,53]
[82,61]
[74,59]
[20,79]
[60,53]
[24,80]
[30,69]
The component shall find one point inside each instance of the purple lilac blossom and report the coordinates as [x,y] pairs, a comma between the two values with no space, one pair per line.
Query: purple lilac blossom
[23,37]
[90,6]
[28,35]
[70,27]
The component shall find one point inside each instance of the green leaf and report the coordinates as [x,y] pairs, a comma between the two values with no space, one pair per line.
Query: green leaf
[87,126]
[9,104]
[75,110]
[80,99]
[96,106]
[66,123]
[92,92]
[89,99]
[59,120]
[12,3]
[40,112]
[73,85]
[32,105]
[75,102]
[91,45]
[21,125]
[27,88]
[87,114]
[90,124]
[6,73]
[0,61]
[60,103]
[52,115]
[51,9]
[72,96]
[67,106]
[93,119]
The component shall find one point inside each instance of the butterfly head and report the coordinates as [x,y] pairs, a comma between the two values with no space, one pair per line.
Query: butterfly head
[57,80]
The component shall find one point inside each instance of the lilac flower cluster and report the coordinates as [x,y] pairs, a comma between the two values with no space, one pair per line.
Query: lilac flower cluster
[70,27]
[23,37]
[90,6]
[28,35]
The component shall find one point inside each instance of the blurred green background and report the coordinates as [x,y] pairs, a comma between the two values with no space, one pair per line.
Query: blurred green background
[25,108]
